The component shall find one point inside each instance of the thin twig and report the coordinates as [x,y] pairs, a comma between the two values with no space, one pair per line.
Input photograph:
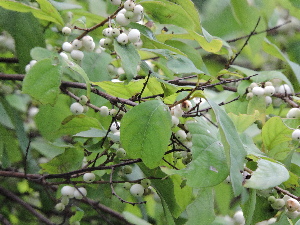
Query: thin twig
[28,207]
[244,45]
[144,86]
[9,60]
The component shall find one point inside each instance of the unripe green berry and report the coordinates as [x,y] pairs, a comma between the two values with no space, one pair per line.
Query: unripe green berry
[115,32]
[83,100]
[64,200]
[59,207]
[127,169]
[113,112]
[85,108]
[145,183]
[127,186]
[278,204]
[271,199]
[121,153]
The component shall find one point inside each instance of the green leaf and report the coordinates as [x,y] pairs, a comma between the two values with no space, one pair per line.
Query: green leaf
[68,161]
[95,65]
[250,147]
[49,117]
[233,146]
[268,174]
[64,5]
[129,59]
[131,218]
[22,26]
[168,13]
[275,132]
[93,132]
[49,9]
[249,207]
[4,118]
[46,148]
[209,166]
[77,217]
[257,106]
[76,123]
[52,15]
[39,53]
[242,121]
[167,195]
[145,132]
[121,90]
[180,65]
[213,46]
[42,81]
[201,211]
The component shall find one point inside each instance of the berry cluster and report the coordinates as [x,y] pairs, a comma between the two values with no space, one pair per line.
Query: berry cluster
[80,107]
[290,205]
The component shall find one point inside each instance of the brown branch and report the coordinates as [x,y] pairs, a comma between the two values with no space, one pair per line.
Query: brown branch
[3,220]
[34,212]
[9,60]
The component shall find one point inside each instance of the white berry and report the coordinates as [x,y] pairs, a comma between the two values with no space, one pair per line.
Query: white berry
[68,47]
[68,191]
[293,113]
[269,90]
[64,55]
[104,111]
[77,44]
[77,55]
[122,20]
[115,127]
[175,121]
[134,35]
[138,9]
[268,100]
[122,39]
[292,204]
[115,32]
[78,194]
[239,217]
[284,89]
[66,31]
[137,190]
[258,91]
[180,135]
[296,135]
[32,63]
[76,108]
[129,5]
[89,177]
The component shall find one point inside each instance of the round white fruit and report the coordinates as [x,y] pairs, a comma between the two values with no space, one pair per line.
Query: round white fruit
[134,35]
[284,89]
[104,111]
[122,20]
[76,108]
[66,31]
[89,177]
[186,105]
[66,46]
[258,91]
[77,55]
[180,135]
[78,194]
[121,153]
[122,39]
[138,9]
[137,190]
[115,127]
[67,191]
[293,113]
[116,2]
[296,135]
[175,121]
[269,90]
[77,44]
[64,55]
[129,5]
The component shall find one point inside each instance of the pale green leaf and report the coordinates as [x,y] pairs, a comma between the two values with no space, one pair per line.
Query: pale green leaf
[68,161]
[49,9]
[42,81]
[242,121]
[201,211]
[275,132]
[268,174]
[145,132]
[209,165]
[129,59]
[233,146]
[134,219]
